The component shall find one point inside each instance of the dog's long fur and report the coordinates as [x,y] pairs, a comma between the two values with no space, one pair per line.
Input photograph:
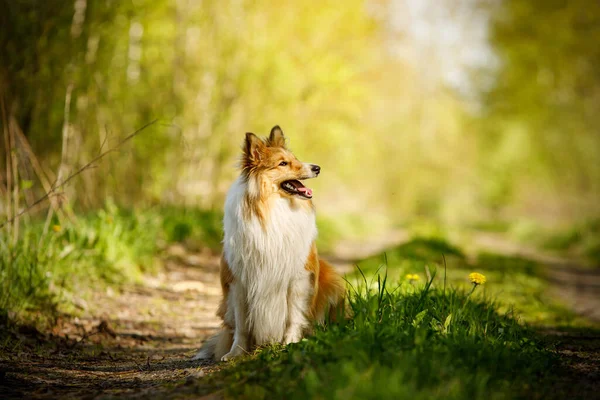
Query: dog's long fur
[274,284]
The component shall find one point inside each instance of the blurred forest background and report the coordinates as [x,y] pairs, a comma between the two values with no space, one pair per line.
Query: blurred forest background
[477,113]
[439,125]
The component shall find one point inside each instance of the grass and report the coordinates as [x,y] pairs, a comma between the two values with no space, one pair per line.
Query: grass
[41,273]
[582,239]
[433,336]
[191,227]
[514,283]
[408,341]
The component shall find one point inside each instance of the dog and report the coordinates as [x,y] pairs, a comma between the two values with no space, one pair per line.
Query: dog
[275,286]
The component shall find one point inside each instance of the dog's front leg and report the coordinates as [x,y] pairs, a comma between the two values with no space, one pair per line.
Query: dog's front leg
[298,302]
[237,303]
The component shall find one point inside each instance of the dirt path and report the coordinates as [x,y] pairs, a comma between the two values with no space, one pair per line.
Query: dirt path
[130,343]
[579,288]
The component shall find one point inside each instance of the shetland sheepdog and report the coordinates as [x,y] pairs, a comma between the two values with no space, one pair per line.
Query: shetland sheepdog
[275,286]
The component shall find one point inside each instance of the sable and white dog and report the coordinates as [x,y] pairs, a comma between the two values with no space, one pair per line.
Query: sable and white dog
[274,284]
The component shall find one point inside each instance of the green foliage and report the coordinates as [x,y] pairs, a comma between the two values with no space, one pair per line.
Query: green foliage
[209,72]
[344,226]
[426,249]
[539,111]
[392,143]
[508,266]
[413,257]
[582,239]
[401,343]
[592,251]
[24,284]
[194,227]
[516,283]
[578,241]
[41,271]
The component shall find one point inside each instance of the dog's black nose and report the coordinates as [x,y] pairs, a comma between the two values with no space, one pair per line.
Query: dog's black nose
[316,169]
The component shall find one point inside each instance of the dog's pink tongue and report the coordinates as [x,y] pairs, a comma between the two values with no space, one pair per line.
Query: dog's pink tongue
[307,191]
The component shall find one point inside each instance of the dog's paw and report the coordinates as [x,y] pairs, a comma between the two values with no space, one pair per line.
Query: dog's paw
[235,352]
[202,355]
[292,336]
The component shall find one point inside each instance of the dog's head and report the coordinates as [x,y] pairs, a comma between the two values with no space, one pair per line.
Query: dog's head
[275,167]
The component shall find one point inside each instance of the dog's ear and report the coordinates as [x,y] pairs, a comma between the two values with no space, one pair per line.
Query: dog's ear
[276,138]
[254,148]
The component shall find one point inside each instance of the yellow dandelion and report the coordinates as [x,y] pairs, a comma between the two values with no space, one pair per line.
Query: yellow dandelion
[56,228]
[477,278]
[412,277]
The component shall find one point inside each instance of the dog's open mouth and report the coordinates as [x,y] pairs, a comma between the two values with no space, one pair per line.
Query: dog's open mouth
[296,187]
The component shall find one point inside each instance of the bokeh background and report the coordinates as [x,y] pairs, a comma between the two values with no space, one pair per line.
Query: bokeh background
[455,137]
[462,113]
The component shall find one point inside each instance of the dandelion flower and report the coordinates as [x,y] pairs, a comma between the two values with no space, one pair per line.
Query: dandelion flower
[412,277]
[477,278]
[56,228]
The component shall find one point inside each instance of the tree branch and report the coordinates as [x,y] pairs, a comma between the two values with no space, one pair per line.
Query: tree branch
[87,166]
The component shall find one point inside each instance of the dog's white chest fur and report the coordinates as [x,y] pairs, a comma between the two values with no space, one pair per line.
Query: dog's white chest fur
[268,262]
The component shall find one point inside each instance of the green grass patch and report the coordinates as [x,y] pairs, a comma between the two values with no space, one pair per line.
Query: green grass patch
[195,228]
[44,272]
[581,240]
[515,283]
[41,272]
[432,334]
[403,342]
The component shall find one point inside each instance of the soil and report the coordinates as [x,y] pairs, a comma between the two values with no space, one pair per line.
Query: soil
[133,343]
[137,343]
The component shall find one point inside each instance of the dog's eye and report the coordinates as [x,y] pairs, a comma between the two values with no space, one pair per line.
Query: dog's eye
[283,163]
